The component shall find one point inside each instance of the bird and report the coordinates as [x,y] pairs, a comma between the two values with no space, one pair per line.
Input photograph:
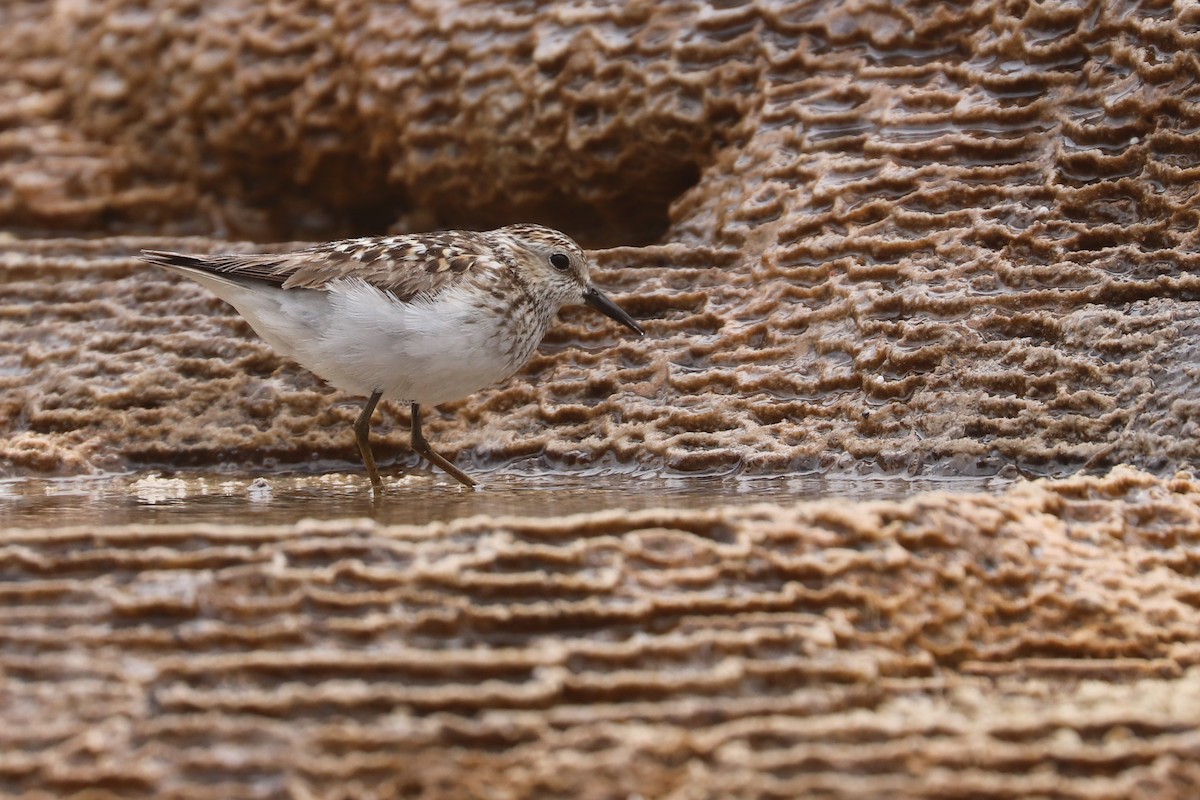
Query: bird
[422,318]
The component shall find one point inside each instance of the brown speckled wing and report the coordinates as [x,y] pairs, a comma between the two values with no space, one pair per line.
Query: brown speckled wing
[407,266]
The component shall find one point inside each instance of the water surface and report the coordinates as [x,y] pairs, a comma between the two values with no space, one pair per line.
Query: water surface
[414,499]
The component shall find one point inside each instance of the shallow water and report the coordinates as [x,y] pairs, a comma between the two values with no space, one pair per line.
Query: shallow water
[418,498]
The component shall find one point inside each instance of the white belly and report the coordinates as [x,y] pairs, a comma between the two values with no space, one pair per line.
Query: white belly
[362,340]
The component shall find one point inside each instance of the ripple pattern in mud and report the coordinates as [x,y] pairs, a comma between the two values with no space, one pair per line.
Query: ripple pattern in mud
[938,646]
[959,241]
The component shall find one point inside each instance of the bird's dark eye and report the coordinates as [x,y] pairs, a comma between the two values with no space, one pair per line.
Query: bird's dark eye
[560,261]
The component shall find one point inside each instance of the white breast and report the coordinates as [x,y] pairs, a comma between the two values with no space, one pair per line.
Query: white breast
[360,339]
[426,351]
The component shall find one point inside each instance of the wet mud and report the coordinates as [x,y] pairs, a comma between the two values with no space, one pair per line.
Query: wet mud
[940,646]
[915,240]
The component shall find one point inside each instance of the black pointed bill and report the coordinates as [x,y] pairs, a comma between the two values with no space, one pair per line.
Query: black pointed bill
[600,301]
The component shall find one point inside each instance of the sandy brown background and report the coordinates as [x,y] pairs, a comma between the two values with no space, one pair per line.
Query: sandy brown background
[897,237]
[865,238]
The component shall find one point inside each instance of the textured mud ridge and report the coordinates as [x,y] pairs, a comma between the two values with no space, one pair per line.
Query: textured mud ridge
[899,237]
[943,646]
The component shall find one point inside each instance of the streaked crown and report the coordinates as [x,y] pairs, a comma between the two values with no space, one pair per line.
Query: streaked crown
[557,261]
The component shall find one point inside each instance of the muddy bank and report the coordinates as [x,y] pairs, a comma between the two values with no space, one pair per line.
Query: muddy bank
[107,364]
[938,646]
[890,239]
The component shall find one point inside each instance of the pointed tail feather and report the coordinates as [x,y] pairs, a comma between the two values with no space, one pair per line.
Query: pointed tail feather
[209,271]
[222,266]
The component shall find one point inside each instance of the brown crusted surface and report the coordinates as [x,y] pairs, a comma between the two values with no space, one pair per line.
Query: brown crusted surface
[942,646]
[921,238]
[107,364]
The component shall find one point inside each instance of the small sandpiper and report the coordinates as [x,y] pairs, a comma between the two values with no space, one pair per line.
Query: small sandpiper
[423,318]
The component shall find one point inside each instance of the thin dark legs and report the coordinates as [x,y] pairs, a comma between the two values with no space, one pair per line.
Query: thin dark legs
[362,432]
[422,447]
